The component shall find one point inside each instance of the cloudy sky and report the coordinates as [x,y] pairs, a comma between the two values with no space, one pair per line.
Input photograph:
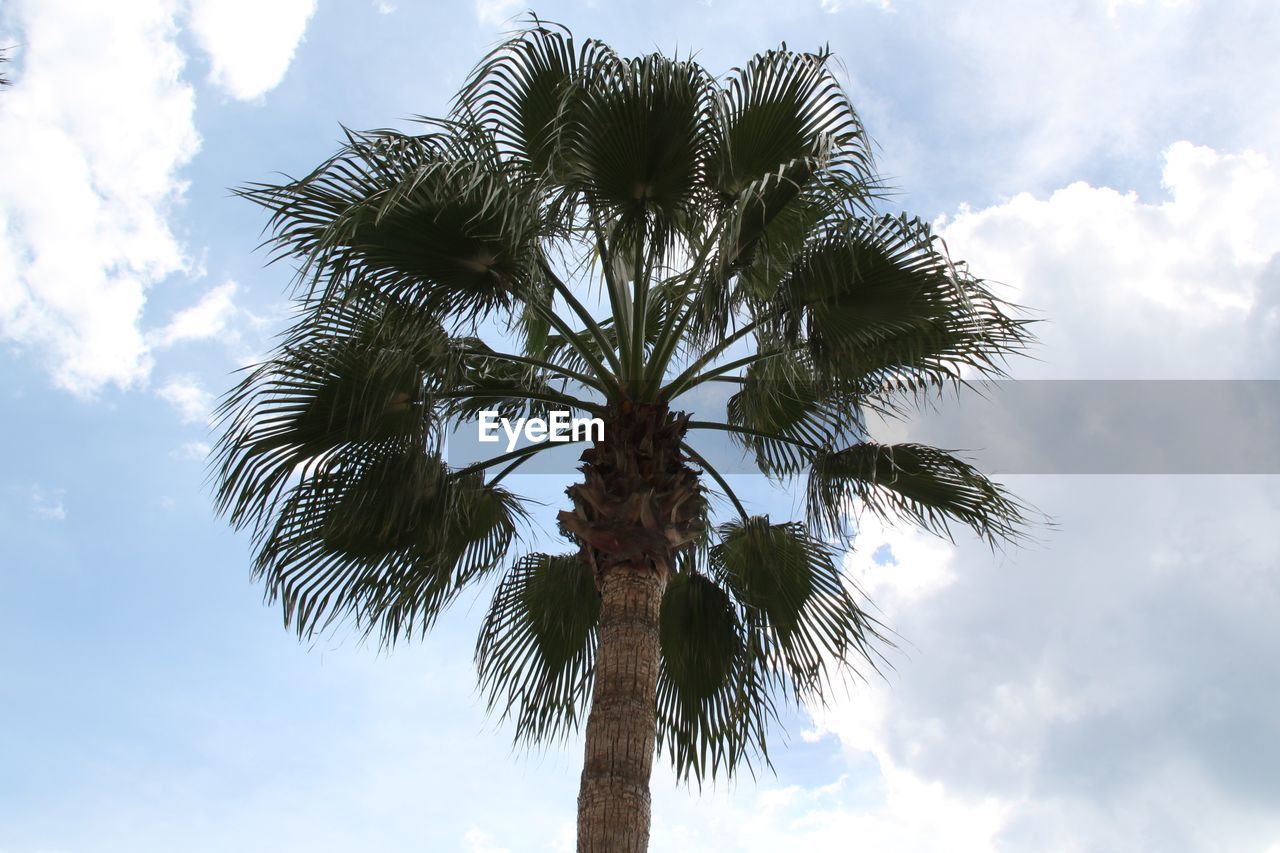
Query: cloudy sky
[1115,686]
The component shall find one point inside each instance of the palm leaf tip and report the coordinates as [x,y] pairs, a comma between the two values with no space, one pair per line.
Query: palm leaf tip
[922,484]
[344,375]
[771,618]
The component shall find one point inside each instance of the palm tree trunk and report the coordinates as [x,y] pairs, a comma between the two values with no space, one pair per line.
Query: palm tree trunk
[639,505]
[613,800]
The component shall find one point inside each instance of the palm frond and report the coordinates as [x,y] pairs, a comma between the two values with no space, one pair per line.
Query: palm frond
[436,219]
[529,90]
[770,621]
[489,379]
[639,145]
[350,373]
[536,651]
[881,303]
[385,536]
[782,108]
[785,414]
[788,150]
[913,481]
[713,707]
[802,619]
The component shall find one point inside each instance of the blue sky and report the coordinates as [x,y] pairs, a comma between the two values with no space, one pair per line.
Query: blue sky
[1112,687]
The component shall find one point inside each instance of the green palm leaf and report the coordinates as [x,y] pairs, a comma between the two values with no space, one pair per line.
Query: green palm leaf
[386,536]
[712,710]
[880,301]
[345,374]
[781,108]
[923,484]
[802,618]
[785,414]
[529,90]
[536,650]
[436,219]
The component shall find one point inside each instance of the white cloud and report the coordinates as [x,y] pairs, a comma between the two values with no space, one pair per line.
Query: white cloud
[1077,694]
[833,6]
[988,98]
[95,170]
[193,403]
[250,44]
[1140,288]
[92,162]
[497,13]
[898,813]
[192,451]
[48,504]
[1115,7]
[479,841]
[206,319]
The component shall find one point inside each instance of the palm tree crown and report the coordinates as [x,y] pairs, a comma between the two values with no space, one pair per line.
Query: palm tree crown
[633,228]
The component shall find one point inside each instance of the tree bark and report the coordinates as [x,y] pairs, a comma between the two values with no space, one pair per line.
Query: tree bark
[638,506]
[613,800]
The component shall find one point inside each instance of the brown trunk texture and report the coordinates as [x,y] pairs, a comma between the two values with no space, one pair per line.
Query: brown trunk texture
[613,801]
[638,506]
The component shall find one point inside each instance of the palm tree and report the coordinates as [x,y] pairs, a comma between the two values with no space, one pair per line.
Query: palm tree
[624,230]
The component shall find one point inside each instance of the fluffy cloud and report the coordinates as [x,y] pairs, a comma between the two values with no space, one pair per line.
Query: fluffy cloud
[249,44]
[479,841]
[897,813]
[92,163]
[985,99]
[1085,691]
[1174,288]
[191,451]
[206,319]
[1078,694]
[47,504]
[496,13]
[193,403]
[96,168]
[833,6]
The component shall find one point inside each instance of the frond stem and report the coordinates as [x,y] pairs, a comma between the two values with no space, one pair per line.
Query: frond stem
[665,346]
[723,427]
[680,384]
[497,478]
[618,304]
[560,370]
[514,454]
[639,310]
[716,475]
[570,335]
[517,394]
[581,310]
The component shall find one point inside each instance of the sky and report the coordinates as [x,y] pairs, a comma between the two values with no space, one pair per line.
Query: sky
[1112,686]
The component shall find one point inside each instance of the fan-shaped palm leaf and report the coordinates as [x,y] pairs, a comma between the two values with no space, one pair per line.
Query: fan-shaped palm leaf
[912,481]
[537,644]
